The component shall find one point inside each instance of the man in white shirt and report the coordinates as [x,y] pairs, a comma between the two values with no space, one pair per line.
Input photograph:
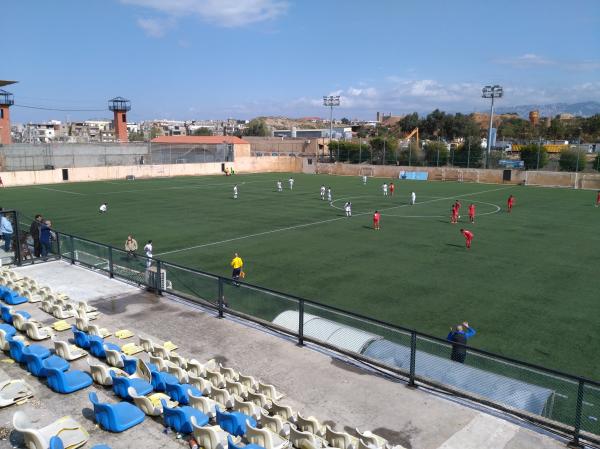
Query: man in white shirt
[385,189]
[279,186]
[413,198]
[329,196]
[348,208]
[235,192]
[364,179]
[103,208]
[291,181]
[148,251]
[323,192]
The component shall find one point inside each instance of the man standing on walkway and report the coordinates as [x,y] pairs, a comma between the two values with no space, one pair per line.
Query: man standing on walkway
[34,230]
[459,336]
[6,230]
[236,264]
[46,238]
[131,246]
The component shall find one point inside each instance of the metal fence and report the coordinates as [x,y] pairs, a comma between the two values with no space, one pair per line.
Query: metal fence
[565,403]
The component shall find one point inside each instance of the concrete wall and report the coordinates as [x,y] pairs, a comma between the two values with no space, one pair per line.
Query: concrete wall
[541,178]
[241,165]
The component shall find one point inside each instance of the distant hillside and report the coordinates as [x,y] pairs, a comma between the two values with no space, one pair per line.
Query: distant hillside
[584,109]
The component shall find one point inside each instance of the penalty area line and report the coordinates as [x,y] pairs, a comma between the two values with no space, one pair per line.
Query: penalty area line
[305,225]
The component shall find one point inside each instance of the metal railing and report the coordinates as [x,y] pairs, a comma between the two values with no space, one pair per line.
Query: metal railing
[563,402]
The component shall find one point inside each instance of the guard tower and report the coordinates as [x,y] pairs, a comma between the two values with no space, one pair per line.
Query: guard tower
[120,106]
[6,101]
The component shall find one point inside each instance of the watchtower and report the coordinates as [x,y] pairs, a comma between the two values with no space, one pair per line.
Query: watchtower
[6,101]
[120,106]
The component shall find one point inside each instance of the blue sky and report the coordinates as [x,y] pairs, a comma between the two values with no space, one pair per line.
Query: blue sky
[195,59]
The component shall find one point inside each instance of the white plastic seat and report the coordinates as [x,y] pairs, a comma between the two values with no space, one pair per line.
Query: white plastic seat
[13,391]
[222,396]
[18,320]
[101,373]
[236,388]
[37,333]
[246,407]
[4,344]
[299,438]
[209,437]
[216,378]
[248,381]
[83,314]
[229,373]
[47,305]
[285,411]
[158,361]
[81,324]
[265,438]
[84,306]
[341,440]
[180,373]
[94,329]
[178,360]
[310,424]
[276,424]
[205,386]
[259,399]
[147,405]
[113,357]
[72,434]
[32,294]
[199,369]
[67,352]
[59,313]
[269,391]
[142,371]
[370,439]
[204,404]
[146,344]
[160,351]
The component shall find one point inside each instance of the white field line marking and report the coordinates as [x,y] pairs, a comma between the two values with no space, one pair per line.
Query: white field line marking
[186,186]
[288,228]
[61,191]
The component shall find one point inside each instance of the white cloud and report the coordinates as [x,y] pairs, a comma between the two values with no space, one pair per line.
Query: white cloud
[224,13]
[154,27]
[527,60]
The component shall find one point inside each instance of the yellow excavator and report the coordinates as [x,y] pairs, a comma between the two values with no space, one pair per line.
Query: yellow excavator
[412,133]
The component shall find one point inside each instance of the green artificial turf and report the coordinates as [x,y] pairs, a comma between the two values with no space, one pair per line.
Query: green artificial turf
[529,285]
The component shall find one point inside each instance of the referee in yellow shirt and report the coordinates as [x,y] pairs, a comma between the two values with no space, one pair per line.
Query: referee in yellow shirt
[236,263]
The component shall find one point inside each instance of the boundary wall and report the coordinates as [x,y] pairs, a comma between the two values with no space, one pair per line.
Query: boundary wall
[524,177]
[78,174]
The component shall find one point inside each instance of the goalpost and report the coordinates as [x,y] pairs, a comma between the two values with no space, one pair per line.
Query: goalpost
[366,171]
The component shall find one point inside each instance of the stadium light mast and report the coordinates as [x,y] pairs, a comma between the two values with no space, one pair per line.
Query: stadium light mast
[331,101]
[492,92]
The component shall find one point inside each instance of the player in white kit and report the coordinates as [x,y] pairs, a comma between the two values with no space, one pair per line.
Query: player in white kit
[413,198]
[291,181]
[323,192]
[364,179]
[385,189]
[329,198]
[279,186]
[348,208]
[235,192]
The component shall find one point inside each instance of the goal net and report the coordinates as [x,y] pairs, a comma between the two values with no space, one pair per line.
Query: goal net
[366,171]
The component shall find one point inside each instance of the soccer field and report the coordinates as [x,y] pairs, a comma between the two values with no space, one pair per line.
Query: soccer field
[529,285]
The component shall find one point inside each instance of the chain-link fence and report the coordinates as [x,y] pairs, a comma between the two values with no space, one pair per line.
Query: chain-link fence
[560,401]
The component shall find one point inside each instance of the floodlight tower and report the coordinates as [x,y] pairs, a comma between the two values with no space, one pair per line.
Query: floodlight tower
[120,106]
[492,92]
[331,101]
[6,101]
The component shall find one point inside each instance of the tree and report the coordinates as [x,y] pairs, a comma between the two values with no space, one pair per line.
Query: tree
[409,122]
[345,121]
[572,160]
[202,132]
[383,148]
[436,153]
[155,132]
[469,154]
[135,137]
[534,156]
[597,162]
[257,127]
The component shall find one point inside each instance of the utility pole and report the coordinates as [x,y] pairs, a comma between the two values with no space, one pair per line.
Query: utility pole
[492,92]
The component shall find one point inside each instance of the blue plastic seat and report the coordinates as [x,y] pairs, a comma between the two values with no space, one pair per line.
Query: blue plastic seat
[179,418]
[231,445]
[81,338]
[37,365]
[116,417]
[129,364]
[67,382]
[180,392]
[97,346]
[6,316]
[234,422]
[160,380]
[14,299]
[56,443]
[8,329]
[18,349]
[121,384]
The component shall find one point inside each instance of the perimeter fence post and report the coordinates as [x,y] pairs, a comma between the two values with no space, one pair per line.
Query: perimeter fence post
[413,357]
[17,240]
[220,302]
[301,323]
[110,263]
[158,279]
[72,242]
[577,427]
[58,245]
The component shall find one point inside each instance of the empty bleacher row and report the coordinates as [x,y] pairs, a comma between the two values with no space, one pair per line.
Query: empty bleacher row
[216,406]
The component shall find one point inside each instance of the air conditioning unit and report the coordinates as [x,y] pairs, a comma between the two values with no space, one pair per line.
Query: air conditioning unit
[151,277]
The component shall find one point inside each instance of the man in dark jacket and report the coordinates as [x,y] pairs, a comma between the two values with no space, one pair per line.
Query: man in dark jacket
[34,230]
[459,336]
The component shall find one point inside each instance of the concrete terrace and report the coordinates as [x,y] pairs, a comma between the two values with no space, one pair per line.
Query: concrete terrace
[316,382]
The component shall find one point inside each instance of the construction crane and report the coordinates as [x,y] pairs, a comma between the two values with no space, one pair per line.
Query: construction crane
[412,133]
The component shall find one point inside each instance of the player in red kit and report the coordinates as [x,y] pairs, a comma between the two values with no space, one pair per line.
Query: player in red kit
[458,205]
[468,237]
[472,213]
[392,187]
[598,199]
[510,203]
[376,218]
[454,216]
